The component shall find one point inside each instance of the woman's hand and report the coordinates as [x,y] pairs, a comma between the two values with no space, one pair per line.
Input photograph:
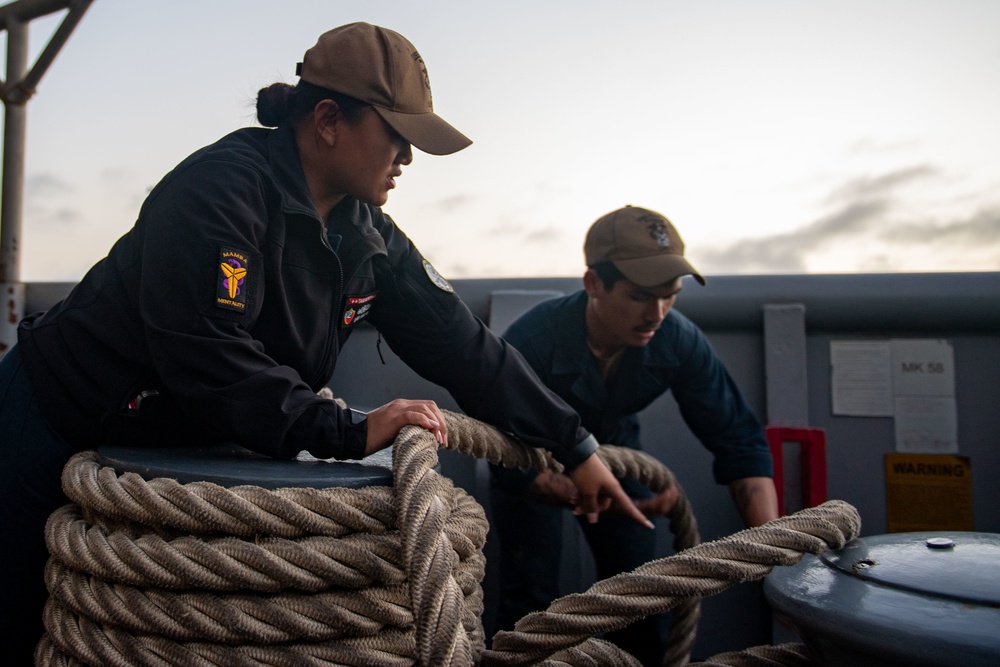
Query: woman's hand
[384,423]
[598,490]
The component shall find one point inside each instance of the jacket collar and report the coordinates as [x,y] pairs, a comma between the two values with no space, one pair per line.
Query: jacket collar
[351,214]
[573,357]
[286,166]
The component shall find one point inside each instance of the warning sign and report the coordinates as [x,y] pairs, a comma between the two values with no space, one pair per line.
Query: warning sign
[928,492]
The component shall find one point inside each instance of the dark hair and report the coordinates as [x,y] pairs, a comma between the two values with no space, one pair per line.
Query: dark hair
[282,103]
[608,273]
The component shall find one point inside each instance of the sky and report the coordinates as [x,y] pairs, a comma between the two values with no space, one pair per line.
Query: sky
[779,136]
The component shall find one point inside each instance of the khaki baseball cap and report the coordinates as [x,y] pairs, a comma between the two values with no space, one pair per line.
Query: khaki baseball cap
[642,244]
[382,68]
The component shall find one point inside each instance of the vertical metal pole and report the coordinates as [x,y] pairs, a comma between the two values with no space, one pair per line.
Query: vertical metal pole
[786,383]
[785,364]
[12,198]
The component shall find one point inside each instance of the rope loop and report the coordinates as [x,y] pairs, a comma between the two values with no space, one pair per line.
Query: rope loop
[658,585]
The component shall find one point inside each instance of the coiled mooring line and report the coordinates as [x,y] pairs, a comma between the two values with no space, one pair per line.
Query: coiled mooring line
[160,573]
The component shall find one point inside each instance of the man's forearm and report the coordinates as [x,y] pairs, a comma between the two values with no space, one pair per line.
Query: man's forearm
[756,499]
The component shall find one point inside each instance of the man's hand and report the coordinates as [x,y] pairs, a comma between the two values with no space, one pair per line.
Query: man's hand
[660,504]
[598,490]
[553,488]
[384,423]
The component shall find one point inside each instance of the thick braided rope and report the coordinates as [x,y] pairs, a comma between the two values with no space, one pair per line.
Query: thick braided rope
[625,462]
[414,447]
[266,564]
[204,507]
[230,618]
[124,593]
[591,653]
[484,441]
[481,440]
[656,586]
[787,655]
[111,647]
[441,636]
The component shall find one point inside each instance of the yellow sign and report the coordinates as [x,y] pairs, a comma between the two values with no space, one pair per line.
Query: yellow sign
[928,492]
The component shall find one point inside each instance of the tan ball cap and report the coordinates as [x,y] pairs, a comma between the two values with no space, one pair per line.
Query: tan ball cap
[642,244]
[382,68]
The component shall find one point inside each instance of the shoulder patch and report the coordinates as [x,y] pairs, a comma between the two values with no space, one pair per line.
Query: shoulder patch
[437,278]
[231,279]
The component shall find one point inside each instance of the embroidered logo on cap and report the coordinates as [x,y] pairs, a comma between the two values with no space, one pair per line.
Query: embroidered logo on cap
[657,230]
[231,281]
[357,308]
[427,79]
[437,278]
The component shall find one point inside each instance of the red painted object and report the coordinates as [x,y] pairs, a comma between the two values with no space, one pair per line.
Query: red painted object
[812,444]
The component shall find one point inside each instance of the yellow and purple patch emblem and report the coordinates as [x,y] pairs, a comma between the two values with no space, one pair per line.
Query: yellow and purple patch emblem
[232,277]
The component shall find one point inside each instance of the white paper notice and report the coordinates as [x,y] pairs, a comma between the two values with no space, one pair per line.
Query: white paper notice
[922,368]
[926,425]
[861,378]
[912,380]
[923,381]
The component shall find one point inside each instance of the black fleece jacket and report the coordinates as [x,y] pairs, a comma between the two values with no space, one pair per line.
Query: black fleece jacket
[226,305]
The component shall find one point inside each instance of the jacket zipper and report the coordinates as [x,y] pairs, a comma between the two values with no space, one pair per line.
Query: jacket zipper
[333,351]
[326,368]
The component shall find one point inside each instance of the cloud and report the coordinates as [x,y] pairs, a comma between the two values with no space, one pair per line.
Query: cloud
[786,253]
[880,187]
[46,201]
[544,235]
[505,229]
[547,189]
[449,205]
[880,263]
[46,185]
[115,174]
[525,237]
[981,228]
[867,228]
[458,270]
[48,217]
